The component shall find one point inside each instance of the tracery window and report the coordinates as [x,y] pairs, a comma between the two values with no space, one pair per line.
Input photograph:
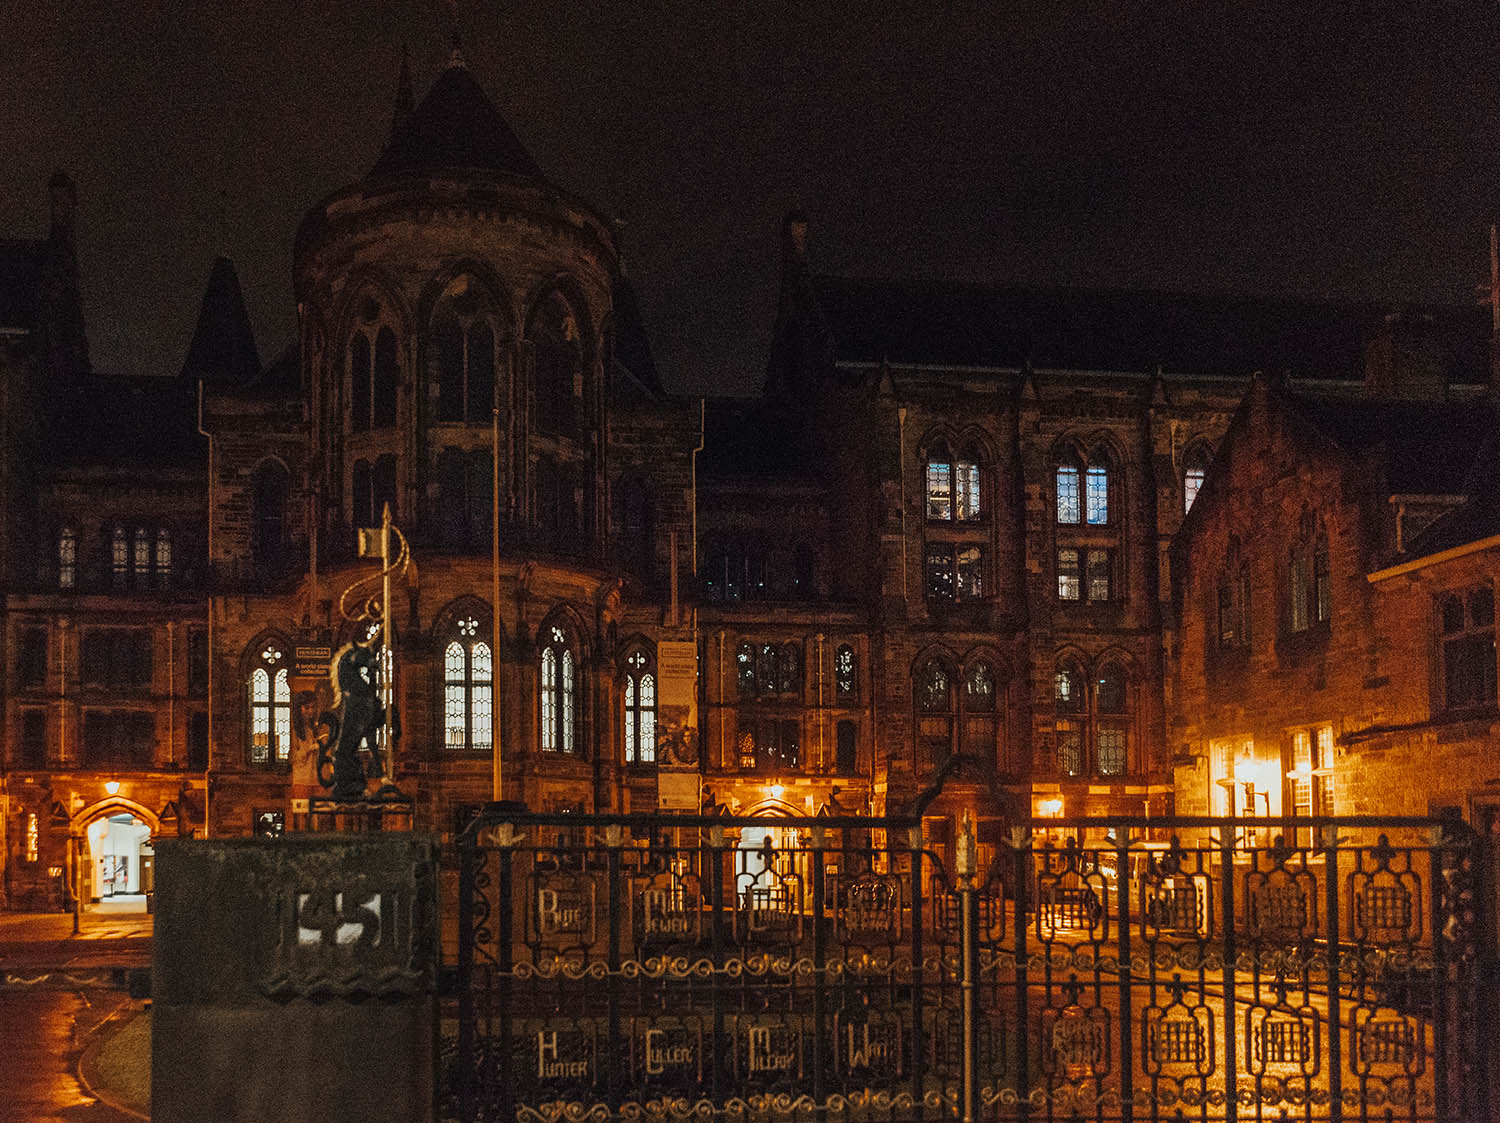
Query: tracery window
[468,687]
[140,557]
[1092,720]
[953,491]
[1082,489]
[372,371]
[980,710]
[640,708]
[845,673]
[935,703]
[163,562]
[1233,605]
[769,670]
[557,355]
[1194,472]
[67,558]
[1467,623]
[464,346]
[270,707]
[559,702]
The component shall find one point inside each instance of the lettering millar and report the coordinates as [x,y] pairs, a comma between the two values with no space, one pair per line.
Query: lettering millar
[768,1054]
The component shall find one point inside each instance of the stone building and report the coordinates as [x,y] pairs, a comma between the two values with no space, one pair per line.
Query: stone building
[1335,586]
[931,558]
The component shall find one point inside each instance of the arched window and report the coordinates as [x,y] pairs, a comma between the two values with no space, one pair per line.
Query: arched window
[1309,586]
[634,529]
[559,693]
[119,557]
[845,673]
[373,370]
[640,708]
[1194,472]
[468,687]
[67,558]
[981,712]
[557,356]
[163,557]
[1071,707]
[769,670]
[1111,721]
[270,704]
[465,358]
[268,520]
[952,484]
[1083,489]
[384,394]
[979,688]
[934,705]
[1092,720]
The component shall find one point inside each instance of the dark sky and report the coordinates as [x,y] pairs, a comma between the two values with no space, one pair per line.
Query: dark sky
[1320,149]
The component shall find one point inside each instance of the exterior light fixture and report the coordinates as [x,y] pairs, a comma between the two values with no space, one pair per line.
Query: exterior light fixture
[1050,807]
[776,791]
[112,787]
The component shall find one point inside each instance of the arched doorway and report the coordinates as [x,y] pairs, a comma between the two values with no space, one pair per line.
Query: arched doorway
[114,862]
[767,855]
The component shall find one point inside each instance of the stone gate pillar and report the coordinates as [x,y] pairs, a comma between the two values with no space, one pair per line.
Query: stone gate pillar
[295,979]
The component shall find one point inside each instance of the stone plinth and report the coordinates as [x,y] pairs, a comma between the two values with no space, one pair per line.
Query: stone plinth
[295,979]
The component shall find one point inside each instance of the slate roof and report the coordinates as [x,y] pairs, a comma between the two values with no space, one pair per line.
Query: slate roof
[223,347]
[944,323]
[632,346]
[1422,447]
[455,126]
[133,422]
[754,439]
[21,265]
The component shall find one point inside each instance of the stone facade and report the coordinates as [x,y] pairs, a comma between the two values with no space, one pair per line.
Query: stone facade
[1338,704]
[931,558]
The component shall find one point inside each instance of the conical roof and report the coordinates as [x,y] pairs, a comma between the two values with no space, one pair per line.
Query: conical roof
[456,126]
[223,347]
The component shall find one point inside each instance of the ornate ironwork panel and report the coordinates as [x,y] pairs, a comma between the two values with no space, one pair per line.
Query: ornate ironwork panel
[712,968]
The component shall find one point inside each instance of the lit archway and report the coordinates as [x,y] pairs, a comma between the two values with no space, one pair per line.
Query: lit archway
[112,851]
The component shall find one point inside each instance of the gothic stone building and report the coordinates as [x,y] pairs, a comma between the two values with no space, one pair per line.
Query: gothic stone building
[935,549]
[1338,656]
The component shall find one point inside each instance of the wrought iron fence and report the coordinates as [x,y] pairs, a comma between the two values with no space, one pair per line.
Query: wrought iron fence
[845,968]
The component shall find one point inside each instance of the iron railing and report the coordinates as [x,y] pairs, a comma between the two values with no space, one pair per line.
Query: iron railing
[843,968]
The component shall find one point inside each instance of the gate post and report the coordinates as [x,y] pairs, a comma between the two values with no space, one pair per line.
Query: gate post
[965,865]
[466,1063]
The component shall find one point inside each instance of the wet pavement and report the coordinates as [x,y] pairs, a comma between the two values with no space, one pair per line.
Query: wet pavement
[42,1033]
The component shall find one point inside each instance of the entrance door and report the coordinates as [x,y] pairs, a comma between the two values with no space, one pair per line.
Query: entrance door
[119,853]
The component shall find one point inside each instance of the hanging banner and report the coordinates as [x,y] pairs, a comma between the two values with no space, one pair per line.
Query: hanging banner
[677,726]
[312,694]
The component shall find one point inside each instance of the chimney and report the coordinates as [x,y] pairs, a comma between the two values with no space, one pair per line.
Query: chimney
[1405,359]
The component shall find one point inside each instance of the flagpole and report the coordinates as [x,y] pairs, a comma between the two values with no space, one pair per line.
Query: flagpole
[499,783]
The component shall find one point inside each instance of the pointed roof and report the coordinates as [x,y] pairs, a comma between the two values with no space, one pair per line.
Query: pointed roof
[223,347]
[455,126]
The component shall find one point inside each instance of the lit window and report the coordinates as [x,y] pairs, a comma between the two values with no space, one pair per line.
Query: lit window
[1069,576]
[1099,570]
[142,554]
[558,702]
[1069,499]
[966,484]
[163,557]
[270,708]
[1092,724]
[934,699]
[468,688]
[67,558]
[1192,483]
[955,572]
[119,557]
[939,489]
[1097,497]
[31,837]
[845,667]
[640,709]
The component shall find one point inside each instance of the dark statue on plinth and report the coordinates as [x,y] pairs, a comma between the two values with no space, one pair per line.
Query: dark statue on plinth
[352,725]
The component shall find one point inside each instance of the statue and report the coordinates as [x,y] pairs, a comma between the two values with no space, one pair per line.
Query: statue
[351,725]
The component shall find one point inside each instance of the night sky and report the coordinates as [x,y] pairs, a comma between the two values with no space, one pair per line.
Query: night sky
[1247,147]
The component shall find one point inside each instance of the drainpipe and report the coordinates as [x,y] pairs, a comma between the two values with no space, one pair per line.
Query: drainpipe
[171,692]
[209,639]
[901,476]
[822,757]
